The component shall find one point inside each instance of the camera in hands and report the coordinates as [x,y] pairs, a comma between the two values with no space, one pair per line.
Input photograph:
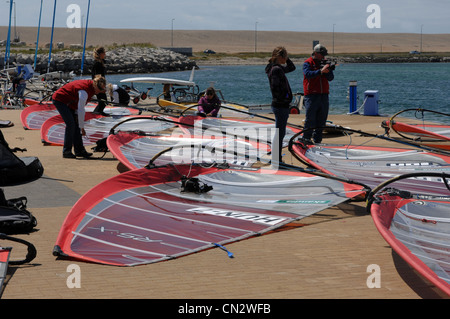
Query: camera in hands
[331,63]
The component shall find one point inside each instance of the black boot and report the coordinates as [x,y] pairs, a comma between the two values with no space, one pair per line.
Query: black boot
[83,153]
[68,155]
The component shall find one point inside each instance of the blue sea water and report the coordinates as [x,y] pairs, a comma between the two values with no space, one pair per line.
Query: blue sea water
[400,86]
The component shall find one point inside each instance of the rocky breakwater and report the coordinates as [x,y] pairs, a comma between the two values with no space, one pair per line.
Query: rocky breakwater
[124,60]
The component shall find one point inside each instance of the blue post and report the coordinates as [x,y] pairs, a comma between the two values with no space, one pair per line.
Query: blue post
[37,40]
[85,36]
[51,39]
[353,96]
[8,41]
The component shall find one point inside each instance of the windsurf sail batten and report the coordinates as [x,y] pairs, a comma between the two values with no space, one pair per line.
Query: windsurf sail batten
[371,156]
[116,245]
[261,184]
[148,229]
[424,218]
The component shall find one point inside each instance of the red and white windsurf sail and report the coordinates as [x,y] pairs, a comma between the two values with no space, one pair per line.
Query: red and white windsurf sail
[34,116]
[98,127]
[4,260]
[372,165]
[149,215]
[417,226]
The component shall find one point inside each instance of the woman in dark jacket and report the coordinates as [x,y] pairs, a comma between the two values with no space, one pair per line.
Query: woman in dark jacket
[281,96]
[99,69]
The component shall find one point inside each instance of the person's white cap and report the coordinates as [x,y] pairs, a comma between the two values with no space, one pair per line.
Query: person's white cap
[320,49]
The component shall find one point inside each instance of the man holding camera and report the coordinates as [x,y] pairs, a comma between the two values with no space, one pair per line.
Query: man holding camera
[317,73]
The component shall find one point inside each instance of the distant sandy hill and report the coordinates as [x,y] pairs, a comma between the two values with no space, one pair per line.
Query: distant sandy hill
[242,41]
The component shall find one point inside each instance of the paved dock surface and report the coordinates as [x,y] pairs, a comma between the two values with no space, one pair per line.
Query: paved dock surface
[326,256]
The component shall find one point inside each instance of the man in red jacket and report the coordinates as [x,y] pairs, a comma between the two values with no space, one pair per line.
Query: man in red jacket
[316,90]
[70,101]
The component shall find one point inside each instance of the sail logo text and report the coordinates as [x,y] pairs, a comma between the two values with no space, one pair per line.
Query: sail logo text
[257,218]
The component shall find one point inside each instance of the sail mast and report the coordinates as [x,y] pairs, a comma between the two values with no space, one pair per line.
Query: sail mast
[8,41]
[37,40]
[85,36]
[51,39]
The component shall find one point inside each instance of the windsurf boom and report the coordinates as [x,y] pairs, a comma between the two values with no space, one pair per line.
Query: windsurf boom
[145,215]
[252,130]
[201,140]
[137,150]
[423,132]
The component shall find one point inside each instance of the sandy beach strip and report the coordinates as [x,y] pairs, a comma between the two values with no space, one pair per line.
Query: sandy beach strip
[242,41]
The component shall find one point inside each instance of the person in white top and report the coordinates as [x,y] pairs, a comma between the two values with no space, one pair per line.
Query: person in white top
[118,95]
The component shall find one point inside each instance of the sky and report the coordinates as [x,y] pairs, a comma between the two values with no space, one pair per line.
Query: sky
[387,16]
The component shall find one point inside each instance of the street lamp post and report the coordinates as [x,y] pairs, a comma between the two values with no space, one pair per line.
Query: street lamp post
[256,35]
[421,29]
[333,36]
[172,32]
